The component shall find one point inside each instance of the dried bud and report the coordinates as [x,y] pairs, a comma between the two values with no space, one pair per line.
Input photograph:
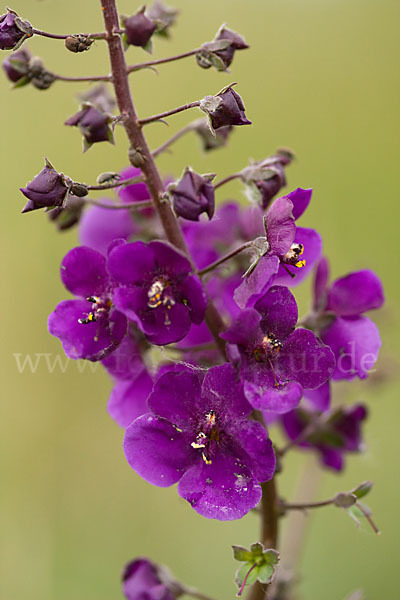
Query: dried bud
[163,16]
[220,52]
[210,141]
[93,124]
[16,65]
[192,195]
[13,31]
[78,42]
[38,75]
[139,29]
[47,189]
[100,98]
[267,177]
[68,215]
[225,108]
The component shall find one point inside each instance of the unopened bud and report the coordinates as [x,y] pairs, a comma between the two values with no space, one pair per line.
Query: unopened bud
[136,157]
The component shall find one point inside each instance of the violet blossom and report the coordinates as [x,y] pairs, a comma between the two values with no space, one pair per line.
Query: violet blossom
[193,195]
[338,314]
[46,190]
[198,434]
[275,361]
[331,437]
[157,290]
[225,108]
[89,327]
[93,124]
[144,580]
[13,30]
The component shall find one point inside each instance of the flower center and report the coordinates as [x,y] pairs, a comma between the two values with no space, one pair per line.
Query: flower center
[207,437]
[100,307]
[269,348]
[292,257]
[160,294]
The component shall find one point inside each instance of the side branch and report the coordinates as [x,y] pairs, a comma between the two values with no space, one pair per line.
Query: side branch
[168,113]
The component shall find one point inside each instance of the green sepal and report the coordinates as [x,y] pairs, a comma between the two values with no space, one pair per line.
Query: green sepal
[363,489]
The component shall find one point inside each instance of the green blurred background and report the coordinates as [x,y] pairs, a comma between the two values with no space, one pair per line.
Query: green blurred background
[322,77]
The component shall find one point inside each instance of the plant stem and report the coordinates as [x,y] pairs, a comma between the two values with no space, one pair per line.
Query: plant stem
[119,183]
[167,113]
[224,258]
[126,206]
[173,139]
[269,530]
[137,140]
[79,79]
[161,61]
[55,36]
[227,179]
[306,505]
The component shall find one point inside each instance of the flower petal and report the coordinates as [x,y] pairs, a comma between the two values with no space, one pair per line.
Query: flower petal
[223,393]
[157,451]
[93,341]
[257,282]
[83,272]
[245,329]
[169,259]
[132,263]
[164,326]
[300,199]
[193,293]
[176,396]
[355,342]
[319,399]
[253,438]
[264,395]
[99,226]
[128,398]
[305,359]
[224,490]
[278,310]
[355,293]
[321,279]
[280,226]
[312,242]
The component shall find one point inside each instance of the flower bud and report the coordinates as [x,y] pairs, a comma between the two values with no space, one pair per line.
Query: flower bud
[99,97]
[192,195]
[13,31]
[220,52]
[163,16]
[38,75]
[47,189]
[139,29]
[225,108]
[93,124]
[142,578]
[65,217]
[210,141]
[78,42]
[16,65]
[267,177]
[136,157]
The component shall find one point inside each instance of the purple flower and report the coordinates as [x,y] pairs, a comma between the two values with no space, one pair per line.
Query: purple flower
[133,383]
[198,434]
[143,580]
[93,124]
[274,360]
[332,437]
[354,338]
[226,108]
[89,327]
[47,189]
[193,195]
[289,252]
[157,290]
[16,65]
[100,226]
[139,29]
[13,30]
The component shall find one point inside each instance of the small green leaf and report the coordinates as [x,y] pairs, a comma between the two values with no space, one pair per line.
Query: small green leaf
[240,553]
[363,489]
[21,82]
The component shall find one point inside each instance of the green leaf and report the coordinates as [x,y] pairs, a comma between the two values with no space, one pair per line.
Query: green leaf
[363,489]
[240,553]
[21,82]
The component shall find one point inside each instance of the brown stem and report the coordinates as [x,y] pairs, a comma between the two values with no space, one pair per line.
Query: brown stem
[224,258]
[88,78]
[56,36]
[168,113]
[173,139]
[227,179]
[137,140]
[269,530]
[161,61]
[126,206]
[118,184]
[306,505]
